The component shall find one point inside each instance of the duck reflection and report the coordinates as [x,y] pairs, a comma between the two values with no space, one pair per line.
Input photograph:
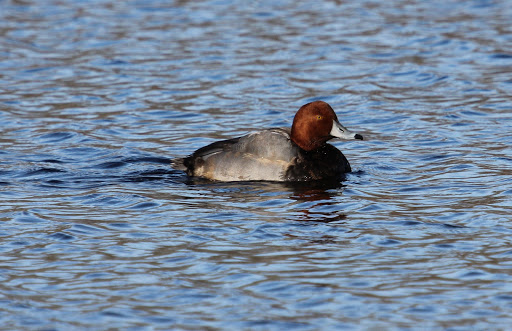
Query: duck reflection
[301,201]
[317,198]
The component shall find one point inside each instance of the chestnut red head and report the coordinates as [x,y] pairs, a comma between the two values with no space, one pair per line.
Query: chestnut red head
[315,123]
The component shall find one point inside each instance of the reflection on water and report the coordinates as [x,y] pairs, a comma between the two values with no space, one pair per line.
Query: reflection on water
[98,229]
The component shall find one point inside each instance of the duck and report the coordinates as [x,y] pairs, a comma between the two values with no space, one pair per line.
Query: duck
[299,153]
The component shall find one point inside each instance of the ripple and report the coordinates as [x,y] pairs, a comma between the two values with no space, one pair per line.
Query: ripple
[61,236]
[56,137]
[41,171]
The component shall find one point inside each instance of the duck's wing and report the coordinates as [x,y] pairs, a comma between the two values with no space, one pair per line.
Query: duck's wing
[188,163]
[262,155]
[271,144]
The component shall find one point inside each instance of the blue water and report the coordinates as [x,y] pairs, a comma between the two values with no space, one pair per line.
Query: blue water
[98,231]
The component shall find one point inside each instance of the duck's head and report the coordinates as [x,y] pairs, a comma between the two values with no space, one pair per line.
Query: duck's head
[315,123]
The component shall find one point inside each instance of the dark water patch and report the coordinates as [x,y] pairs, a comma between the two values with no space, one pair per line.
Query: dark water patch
[41,171]
[403,73]
[55,137]
[384,55]
[155,175]
[114,62]
[264,232]
[473,274]
[484,4]
[444,246]
[504,158]
[389,242]
[84,229]
[60,236]
[278,325]
[150,159]
[370,208]
[108,201]
[422,310]
[20,243]
[55,183]
[436,157]
[161,320]
[501,56]
[145,205]
[415,189]
[409,223]
[87,177]
[115,314]
[504,297]
[110,165]
[473,113]
[52,161]
[453,226]
[28,217]
[461,167]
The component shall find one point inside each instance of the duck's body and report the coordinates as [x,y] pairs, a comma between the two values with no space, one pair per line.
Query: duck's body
[299,154]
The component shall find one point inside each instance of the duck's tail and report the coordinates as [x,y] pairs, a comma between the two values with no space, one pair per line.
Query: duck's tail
[179,164]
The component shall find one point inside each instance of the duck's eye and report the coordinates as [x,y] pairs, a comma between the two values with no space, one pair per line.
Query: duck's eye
[318,117]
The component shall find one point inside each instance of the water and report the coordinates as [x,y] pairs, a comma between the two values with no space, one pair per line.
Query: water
[99,231]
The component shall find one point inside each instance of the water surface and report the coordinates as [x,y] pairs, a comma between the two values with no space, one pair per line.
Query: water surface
[99,231]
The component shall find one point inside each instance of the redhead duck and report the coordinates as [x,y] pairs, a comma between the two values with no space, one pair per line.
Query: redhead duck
[279,154]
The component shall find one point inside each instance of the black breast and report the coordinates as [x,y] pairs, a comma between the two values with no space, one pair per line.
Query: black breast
[322,163]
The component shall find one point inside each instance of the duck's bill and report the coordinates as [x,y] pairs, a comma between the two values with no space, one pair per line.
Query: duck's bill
[339,131]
